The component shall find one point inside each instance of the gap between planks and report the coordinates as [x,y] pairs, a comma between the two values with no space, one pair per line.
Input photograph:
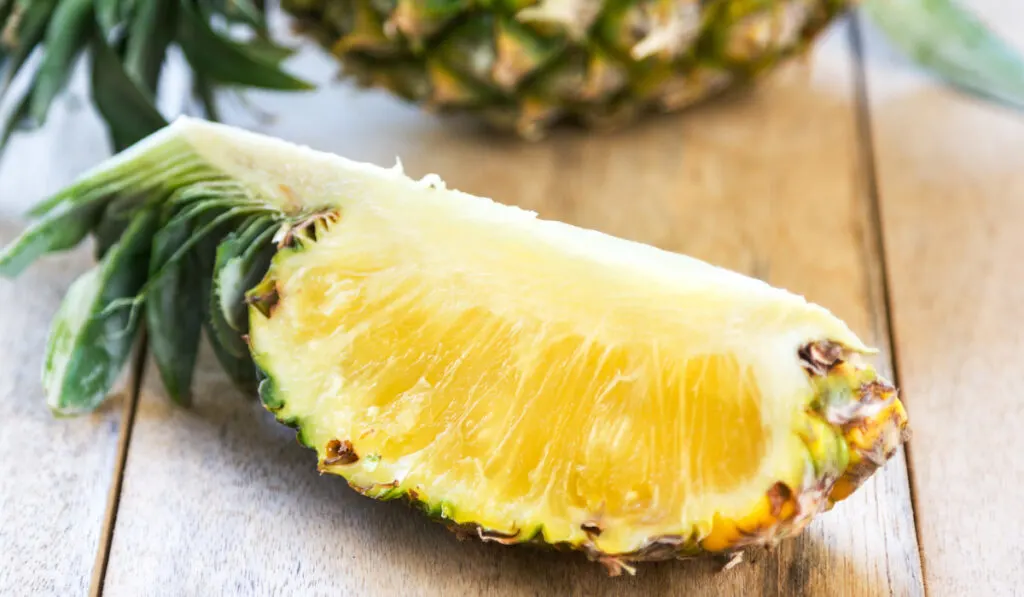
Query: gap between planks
[876,249]
[136,375]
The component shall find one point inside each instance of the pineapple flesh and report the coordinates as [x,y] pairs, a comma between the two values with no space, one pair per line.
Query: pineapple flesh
[525,65]
[521,380]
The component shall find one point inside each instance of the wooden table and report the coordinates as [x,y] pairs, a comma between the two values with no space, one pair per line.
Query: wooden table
[850,178]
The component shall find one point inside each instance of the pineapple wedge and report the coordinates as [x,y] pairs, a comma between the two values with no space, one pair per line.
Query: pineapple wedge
[521,380]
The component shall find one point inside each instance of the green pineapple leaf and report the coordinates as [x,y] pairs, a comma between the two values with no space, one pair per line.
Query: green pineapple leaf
[225,61]
[90,341]
[151,33]
[174,308]
[113,221]
[66,36]
[268,51]
[245,12]
[228,273]
[251,252]
[240,369]
[22,31]
[950,41]
[129,41]
[16,120]
[110,14]
[63,227]
[127,110]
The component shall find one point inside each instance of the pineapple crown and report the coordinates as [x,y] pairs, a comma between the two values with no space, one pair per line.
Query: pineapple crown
[177,245]
[225,42]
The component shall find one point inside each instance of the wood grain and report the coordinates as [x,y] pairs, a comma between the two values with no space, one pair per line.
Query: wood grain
[55,474]
[221,500]
[951,185]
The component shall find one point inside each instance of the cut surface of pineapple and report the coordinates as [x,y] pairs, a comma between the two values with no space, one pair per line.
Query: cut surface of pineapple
[528,388]
[522,380]
[527,376]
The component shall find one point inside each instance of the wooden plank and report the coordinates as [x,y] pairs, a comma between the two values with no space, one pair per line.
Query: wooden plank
[950,182]
[56,473]
[221,499]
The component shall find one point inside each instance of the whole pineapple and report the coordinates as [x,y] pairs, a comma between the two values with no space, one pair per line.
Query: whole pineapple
[521,65]
[526,64]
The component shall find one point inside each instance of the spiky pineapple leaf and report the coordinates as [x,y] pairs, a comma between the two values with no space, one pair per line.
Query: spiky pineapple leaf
[15,120]
[104,187]
[23,33]
[949,40]
[112,223]
[110,14]
[229,271]
[268,51]
[138,35]
[174,308]
[66,36]
[90,341]
[246,259]
[128,111]
[240,369]
[62,228]
[150,34]
[226,61]
[243,12]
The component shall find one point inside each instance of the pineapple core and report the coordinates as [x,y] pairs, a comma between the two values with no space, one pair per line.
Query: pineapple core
[514,409]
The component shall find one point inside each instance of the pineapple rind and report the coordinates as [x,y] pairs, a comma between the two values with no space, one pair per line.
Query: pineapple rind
[668,55]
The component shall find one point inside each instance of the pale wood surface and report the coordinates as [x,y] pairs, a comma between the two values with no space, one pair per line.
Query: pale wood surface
[951,180]
[55,474]
[221,500]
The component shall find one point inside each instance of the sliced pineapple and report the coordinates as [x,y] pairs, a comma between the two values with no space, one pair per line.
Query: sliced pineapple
[520,379]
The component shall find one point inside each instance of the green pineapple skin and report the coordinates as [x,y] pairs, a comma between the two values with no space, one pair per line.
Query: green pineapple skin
[527,65]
